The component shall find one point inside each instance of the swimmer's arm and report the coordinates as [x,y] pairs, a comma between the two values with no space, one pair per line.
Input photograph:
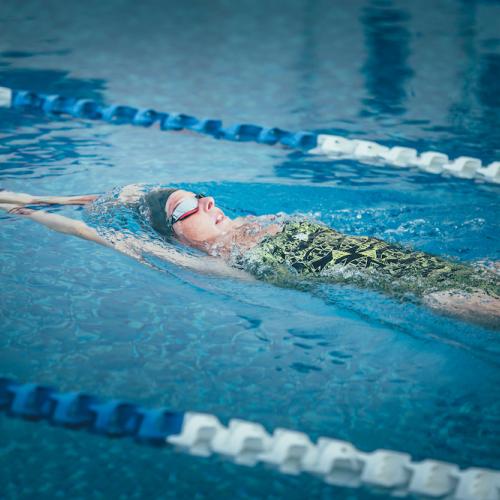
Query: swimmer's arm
[476,307]
[28,199]
[123,244]
[56,222]
[204,264]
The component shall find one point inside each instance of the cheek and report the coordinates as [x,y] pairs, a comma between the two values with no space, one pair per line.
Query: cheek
[199,228]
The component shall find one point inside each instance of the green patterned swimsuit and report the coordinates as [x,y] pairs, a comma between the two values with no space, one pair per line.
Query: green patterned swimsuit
[314,251]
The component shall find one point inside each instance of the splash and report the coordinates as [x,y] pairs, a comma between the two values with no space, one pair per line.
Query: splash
[123,217]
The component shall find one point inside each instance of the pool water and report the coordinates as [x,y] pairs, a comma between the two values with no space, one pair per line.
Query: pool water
[345,363]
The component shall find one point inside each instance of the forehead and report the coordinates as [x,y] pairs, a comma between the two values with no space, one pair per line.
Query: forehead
[175,198]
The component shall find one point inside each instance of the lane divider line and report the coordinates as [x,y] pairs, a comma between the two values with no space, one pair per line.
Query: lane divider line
[331,146]
[248,443]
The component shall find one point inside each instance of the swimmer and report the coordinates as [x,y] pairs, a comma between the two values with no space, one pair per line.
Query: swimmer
[286,251]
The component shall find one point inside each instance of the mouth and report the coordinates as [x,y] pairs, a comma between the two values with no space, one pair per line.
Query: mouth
[220,218]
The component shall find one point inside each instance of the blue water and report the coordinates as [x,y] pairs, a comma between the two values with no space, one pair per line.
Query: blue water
[343,363]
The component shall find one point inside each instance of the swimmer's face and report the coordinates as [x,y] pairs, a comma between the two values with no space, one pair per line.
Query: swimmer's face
[204,226]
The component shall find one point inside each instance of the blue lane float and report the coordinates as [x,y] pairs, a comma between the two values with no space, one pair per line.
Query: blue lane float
[77,410]
[332,146]
[118,114]
[247,443]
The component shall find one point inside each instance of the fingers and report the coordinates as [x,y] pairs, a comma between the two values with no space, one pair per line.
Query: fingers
[7,206]
[20,211]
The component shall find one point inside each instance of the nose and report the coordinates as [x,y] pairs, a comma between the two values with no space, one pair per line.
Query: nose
[207,203]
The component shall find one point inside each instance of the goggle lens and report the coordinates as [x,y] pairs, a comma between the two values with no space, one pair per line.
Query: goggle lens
[186,208]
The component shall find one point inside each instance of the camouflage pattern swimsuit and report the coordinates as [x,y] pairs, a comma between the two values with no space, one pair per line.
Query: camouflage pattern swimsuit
[308,249]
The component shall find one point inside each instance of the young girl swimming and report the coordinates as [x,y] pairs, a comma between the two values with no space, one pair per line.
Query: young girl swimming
[284,251]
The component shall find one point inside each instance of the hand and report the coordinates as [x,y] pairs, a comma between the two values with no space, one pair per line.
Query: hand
[21,211]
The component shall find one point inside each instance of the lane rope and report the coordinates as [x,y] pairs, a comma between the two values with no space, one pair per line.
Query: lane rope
[247,443]
[331,146]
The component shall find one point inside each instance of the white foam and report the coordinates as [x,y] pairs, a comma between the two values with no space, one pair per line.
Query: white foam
[5,97]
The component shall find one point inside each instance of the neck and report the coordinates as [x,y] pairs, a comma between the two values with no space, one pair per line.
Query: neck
[244,234]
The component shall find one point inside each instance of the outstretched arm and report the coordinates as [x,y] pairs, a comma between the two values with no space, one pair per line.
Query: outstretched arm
[56,222]
[126,244]
[10,197]
[205,264]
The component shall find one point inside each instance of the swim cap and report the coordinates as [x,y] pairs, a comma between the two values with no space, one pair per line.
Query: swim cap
[156,201]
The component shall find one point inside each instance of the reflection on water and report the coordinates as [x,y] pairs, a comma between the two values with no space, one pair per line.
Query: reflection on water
[49,81]
[34,145]
[386,69]
[475,116]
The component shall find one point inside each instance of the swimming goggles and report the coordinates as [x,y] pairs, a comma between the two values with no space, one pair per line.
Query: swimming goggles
[186,208]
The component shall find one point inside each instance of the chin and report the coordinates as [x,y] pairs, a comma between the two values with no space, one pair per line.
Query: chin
[225,224]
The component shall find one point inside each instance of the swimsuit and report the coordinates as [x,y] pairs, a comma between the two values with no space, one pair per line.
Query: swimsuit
[312,250]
